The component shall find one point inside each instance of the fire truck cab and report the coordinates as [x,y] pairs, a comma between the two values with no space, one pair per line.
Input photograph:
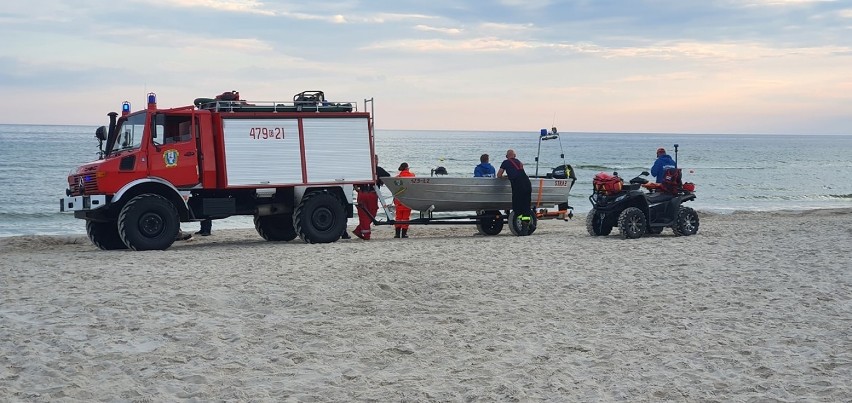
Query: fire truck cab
[291,165]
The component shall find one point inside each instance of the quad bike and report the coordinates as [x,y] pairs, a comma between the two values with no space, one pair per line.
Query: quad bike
[637,212]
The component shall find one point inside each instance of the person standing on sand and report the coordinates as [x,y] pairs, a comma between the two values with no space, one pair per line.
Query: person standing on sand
[513,169]
[206,228]
[368,200]
[403,213]
[484,169]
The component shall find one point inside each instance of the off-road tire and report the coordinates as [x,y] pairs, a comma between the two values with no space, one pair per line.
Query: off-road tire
[686,223]
[319,218]
[515,225]
[632,223]
[595,226]
[491,225]
[148,222]
[275,228]
[104,235]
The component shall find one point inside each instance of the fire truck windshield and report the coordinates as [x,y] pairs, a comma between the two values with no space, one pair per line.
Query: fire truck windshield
[129,133]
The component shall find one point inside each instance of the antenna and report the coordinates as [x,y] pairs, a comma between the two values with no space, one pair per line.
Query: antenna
[675,146]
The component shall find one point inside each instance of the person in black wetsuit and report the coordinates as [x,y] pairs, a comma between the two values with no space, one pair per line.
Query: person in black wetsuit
[513,169]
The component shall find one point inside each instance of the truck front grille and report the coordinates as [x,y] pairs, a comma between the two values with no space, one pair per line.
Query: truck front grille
[89,184]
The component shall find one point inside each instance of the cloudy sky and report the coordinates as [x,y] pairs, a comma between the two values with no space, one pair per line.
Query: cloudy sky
[685,66]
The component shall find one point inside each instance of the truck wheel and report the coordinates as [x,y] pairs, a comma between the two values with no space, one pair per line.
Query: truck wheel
[104,235]
[275,227]
[632,223]
[491,225]
[687,222]
[148,222]
[320,218]
[516,227]
[595,225]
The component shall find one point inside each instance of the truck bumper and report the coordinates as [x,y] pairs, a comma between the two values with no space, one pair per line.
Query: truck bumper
[77,203]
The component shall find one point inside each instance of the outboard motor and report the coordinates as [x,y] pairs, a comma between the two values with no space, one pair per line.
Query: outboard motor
[561,172]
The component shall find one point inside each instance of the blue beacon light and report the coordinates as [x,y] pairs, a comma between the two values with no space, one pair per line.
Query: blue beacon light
[152,98]
[125,108]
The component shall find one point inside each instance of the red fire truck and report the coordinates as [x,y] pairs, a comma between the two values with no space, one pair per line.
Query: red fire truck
[292,165]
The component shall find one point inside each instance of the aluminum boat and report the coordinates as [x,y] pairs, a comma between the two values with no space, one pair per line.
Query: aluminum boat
[436,194]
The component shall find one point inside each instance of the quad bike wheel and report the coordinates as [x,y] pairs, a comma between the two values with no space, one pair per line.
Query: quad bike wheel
[687,222]
[632,223]
[595,225]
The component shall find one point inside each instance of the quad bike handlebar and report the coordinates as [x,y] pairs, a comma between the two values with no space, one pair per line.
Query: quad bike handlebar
[639,179]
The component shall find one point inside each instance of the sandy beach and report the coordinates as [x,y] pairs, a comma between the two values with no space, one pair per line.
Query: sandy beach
[755,307]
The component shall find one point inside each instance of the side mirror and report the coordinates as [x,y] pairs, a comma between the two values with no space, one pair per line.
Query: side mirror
[100,133]
[645,173]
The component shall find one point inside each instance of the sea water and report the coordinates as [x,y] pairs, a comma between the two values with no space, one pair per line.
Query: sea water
[731,172]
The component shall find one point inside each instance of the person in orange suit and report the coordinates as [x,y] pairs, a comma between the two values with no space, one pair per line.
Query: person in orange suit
[403,213]
[368,200]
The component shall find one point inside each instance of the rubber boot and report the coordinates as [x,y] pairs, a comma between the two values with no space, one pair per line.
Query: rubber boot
[405,232]
[397,234]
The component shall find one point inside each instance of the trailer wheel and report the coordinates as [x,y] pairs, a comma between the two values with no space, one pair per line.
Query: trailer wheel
[632,223]
[516,227]
[320,218]
[491,225]
[275,227]
[148,222]
[595,224]
[104,235]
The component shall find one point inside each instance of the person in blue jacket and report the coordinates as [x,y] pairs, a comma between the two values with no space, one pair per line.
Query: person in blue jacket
[484,169]
[663,162]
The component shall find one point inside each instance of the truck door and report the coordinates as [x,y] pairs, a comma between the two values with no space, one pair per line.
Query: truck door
[174,156]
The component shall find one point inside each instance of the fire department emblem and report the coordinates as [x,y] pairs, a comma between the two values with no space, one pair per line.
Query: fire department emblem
[171,158]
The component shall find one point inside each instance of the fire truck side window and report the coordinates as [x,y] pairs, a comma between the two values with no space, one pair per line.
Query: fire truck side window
[172,129]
